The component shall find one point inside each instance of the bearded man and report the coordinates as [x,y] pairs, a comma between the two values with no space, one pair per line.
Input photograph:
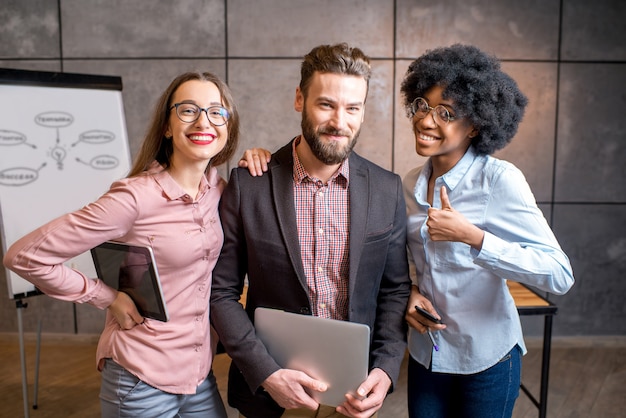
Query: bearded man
[322,232]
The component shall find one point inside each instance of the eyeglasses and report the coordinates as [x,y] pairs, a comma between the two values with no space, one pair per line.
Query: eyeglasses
[190,112]
[421,109]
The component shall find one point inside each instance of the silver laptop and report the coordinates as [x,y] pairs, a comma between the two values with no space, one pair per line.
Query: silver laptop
[131,269]
[335,352]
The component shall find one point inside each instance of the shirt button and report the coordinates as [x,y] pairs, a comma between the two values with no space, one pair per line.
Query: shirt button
[202,229]
[320,269]
[323,305]
[321,231]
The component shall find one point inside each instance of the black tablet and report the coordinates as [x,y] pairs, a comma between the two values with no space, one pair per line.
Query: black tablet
[131,269]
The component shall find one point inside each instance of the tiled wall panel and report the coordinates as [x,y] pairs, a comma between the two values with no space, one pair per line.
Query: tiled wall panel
[32,65]
[594,238]
[591,141]
[279,28]
[593,31]
[143,28]
[510,29]
[29,29]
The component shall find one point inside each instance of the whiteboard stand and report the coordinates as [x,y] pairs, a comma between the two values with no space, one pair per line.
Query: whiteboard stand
[37,362]
[20,306]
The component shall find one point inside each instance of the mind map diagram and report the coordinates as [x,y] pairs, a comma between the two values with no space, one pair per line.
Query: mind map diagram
[58,151]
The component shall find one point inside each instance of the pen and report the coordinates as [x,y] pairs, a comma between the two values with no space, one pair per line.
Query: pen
[432,340]
[428,316]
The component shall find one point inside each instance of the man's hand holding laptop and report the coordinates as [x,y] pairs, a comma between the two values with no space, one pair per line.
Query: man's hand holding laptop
[287,388]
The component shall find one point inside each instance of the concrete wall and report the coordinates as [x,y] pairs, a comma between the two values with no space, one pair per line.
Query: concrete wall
[568,57]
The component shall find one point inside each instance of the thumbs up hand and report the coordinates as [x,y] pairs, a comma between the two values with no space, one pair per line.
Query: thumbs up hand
[445,200]
[446,224]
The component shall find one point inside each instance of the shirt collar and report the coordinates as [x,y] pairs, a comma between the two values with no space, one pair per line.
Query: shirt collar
[171,189]
[454,176]
[341,176]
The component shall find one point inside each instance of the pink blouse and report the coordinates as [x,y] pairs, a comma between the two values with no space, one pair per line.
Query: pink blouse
[186,236]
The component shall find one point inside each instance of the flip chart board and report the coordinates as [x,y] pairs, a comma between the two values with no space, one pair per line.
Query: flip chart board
[63,142]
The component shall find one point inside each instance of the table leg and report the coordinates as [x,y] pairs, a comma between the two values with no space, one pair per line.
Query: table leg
[545,366]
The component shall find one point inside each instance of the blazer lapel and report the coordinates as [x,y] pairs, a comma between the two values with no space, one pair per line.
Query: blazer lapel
[281,180]
[359,204]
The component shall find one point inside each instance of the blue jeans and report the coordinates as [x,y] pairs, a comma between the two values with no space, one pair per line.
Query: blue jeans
[124,395]
[488,394]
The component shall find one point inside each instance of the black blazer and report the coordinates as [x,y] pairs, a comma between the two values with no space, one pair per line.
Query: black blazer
[261,240]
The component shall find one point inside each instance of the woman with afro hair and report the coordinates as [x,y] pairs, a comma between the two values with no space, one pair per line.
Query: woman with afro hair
[473,223]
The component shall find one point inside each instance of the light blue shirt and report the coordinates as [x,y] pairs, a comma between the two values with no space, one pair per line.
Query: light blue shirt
[468,287]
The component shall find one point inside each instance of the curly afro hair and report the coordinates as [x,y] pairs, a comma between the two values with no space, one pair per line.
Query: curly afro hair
[482,93]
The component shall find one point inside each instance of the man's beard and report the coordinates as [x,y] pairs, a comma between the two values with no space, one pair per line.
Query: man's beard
[331,152]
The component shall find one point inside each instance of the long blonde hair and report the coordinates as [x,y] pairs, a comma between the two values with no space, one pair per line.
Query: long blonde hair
[156,147]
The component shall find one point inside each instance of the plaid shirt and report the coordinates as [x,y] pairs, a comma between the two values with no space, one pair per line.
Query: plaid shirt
[323,219]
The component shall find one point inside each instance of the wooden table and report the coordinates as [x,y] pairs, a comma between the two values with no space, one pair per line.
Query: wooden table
[529,302]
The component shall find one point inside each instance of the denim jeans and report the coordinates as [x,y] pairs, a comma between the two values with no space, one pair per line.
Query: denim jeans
[488,394]
[124,395]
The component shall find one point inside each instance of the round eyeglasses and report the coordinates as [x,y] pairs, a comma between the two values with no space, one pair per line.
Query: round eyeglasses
[190,112]
[421,109]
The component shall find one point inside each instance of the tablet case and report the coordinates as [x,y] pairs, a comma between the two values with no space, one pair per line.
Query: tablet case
[132,269]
